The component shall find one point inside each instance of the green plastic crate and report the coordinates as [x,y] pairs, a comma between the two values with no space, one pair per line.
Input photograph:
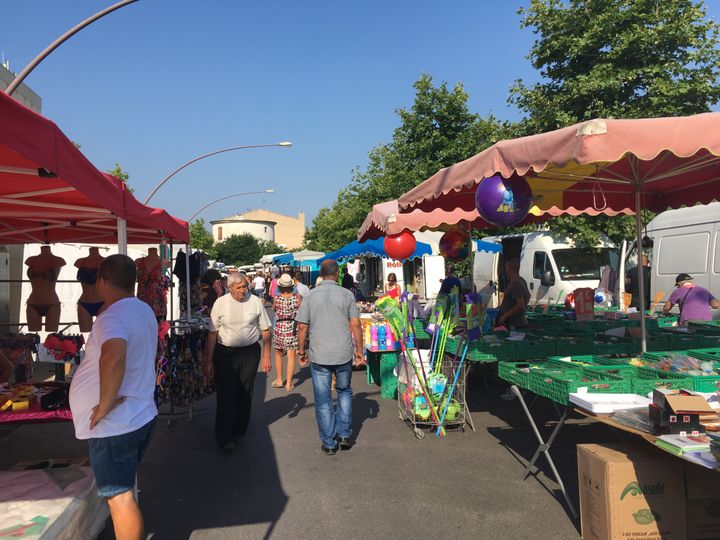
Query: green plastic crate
[574,345]
[710,341]
[706,354]
[595,364]
[706,327]
[606,345]
[502,350]
[649,379]
[699,383]
[678,341]
[535,348]
[557,384]
[517,373]
[655,342]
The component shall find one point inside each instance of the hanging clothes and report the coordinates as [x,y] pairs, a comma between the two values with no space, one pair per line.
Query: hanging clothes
[152,288]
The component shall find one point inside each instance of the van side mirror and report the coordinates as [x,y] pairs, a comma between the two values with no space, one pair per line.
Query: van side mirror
[547,279]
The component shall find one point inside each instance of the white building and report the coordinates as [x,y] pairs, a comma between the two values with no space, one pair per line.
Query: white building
[240,224]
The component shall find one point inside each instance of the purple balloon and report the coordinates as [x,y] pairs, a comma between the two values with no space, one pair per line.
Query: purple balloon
[503,201]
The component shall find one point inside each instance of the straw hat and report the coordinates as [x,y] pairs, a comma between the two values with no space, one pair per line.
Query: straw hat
[286,281]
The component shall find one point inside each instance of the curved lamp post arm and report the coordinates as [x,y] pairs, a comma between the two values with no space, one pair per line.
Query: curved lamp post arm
[228,197]
[181,167]
[59,41]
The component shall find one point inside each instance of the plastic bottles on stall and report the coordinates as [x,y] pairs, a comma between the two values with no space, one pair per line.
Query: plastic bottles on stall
[382,337]
[374,337]
[410,342]
[389,338]
[367,335]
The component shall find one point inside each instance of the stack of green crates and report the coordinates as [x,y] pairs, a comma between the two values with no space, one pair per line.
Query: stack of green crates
[645,380]
[517,373]
[606,345]
[700,383]
[574,344]
[388,379]
[535,347]
[557,384]
[656,341]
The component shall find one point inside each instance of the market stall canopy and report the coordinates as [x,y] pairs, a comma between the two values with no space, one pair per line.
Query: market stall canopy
[146,224]
[45,177]
[387,219]
[299,256]
[489,247]
[592,167]
[372,248]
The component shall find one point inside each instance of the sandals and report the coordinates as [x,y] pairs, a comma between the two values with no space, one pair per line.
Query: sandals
[276,384]
[290,388]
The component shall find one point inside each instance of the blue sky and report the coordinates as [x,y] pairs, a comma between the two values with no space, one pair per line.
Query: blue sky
[162,81]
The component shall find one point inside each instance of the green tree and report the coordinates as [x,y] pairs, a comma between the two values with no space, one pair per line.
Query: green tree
[239,250]
[617,59]
[201,238]
[268,247]
[121,174]
[436,131]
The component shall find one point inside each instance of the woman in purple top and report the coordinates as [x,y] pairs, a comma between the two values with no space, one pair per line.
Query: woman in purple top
[694,301]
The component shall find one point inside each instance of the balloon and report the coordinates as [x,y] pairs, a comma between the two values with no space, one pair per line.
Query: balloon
[503,201]
[400,246]
[454,245]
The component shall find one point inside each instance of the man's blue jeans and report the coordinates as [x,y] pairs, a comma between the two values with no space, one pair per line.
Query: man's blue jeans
[332,424]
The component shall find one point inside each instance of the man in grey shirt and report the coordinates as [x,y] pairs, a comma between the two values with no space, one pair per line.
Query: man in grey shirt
[516,298]
[330,316]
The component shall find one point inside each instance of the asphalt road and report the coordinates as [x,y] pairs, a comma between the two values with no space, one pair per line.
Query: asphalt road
[279,485]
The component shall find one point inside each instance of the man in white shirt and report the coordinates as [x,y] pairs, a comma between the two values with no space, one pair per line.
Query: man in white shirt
[111,395]
[237,323]
[302,289]
[259,284]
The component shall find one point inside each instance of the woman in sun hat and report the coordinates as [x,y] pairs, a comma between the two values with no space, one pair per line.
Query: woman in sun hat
[286,304]
[693,301]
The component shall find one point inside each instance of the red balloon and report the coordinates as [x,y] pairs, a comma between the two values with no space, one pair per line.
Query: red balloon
[400,246]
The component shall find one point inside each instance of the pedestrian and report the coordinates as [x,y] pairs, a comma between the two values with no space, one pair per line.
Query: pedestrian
[112,392]
[513,305]
[362,279]
[238,322]
[302,289]
[694,301]
[451,281]
[392,287]
[349,283]
[632,281]
[285,340]
[259,285]
[329,315]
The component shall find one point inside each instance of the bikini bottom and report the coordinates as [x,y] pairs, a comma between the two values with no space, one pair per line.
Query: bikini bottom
[93,308]
[43,309]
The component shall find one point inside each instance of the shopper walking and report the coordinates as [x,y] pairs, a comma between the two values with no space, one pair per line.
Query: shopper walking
[111,395]
[237,323]
[285,340]
[259,285]
[329,315]
[301,288]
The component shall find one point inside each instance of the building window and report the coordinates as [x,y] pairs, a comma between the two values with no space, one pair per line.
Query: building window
[265,229]
[219,233]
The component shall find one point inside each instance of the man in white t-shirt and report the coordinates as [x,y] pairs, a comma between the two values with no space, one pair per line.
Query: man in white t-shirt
[237,323]
[111,395]
[259,284]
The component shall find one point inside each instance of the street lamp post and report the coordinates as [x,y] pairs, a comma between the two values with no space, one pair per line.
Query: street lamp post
[59,41]
[284,144]
[188,305]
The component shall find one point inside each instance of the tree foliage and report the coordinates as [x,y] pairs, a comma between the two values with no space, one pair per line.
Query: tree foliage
[242,249]
[436,131]
[619,59]
[201,238]
[121,174]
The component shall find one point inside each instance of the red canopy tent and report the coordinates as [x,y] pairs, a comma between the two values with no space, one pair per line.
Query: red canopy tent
[50,192]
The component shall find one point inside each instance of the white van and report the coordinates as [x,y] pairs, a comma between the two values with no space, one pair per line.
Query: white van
[685,240]
[550,263]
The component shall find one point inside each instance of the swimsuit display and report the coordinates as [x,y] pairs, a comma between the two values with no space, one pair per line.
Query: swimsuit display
[65,348]
[180,377]
[86,275]
[152,288]
[93,308]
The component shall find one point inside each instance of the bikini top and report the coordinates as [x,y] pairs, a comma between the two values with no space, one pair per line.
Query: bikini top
[144,275]
[49,274]
[86,275]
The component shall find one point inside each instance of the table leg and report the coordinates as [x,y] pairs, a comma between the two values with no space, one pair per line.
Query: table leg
[544,447]
[468,418]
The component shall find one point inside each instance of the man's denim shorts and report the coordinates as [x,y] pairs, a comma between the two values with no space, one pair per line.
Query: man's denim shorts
[115,459]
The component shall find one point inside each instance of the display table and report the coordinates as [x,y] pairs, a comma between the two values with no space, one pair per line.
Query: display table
[59,503]
[35,415]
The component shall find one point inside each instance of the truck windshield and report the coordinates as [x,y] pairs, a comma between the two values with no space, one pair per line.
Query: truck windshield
[577,264]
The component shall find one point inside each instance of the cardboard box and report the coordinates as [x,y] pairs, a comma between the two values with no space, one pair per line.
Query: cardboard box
[703,503]
[627,491]
[679,411]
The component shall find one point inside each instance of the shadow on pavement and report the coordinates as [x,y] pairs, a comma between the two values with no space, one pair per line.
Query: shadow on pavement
[197,487]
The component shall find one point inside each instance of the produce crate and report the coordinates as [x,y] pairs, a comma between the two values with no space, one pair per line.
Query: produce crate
[501,350]
[375,363]
[535,348]
[574,345]
[649,379]
[388,379]
[710,341]
[700,383]
[606,345]
[557,384]
[679,341]
[706,354]
[517,373]
[706,327]
[593,363]
[655,342]
[661,322]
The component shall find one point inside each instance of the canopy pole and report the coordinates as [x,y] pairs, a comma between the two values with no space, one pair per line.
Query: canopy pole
[641,276]
[122,236]
[473,287]
[188,304]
